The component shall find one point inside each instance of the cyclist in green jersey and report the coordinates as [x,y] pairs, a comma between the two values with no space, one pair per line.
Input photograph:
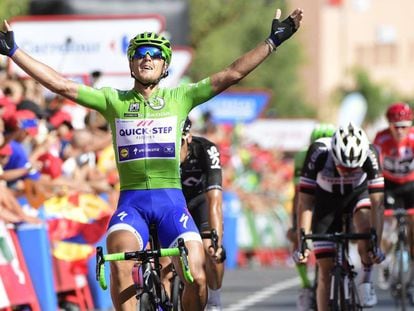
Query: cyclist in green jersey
[304,301]
[146,124]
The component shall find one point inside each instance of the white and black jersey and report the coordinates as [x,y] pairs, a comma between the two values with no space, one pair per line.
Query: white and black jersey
[336,195]
[319,172]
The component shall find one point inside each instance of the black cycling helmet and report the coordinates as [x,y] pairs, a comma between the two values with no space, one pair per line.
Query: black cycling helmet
[187,126]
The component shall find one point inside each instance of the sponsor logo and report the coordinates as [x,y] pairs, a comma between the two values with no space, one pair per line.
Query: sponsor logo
[145,131]
[214,156]
[184,219]
[124,153]
[131,115]
[156,103]
[279,30]
[133,107]
[122,215]
[169,150]
[191,181]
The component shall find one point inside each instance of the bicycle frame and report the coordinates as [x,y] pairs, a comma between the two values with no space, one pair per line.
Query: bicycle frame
[151,292]
[343,294]
[176,284]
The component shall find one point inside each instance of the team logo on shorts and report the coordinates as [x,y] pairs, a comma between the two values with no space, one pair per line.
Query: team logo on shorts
[156,103]
[124,153]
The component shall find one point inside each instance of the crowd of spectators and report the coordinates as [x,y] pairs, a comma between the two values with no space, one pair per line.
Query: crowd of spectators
[49,147]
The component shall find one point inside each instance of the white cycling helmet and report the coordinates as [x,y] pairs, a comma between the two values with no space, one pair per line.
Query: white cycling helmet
[350,146]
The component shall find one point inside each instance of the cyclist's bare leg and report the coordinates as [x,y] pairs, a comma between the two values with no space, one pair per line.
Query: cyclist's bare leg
[362,223]
[388,228]
[214,271]
[325,266]
[122,287]
[194,294]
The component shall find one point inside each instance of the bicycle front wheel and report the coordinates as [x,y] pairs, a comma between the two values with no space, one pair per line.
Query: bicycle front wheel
[176,290]
[402,274]
[335,290]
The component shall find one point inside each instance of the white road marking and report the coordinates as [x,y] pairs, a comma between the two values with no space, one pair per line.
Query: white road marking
[263,294]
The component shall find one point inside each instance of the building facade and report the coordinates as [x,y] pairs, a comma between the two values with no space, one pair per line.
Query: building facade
[376,35]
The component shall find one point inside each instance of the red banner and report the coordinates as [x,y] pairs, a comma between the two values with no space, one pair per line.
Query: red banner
[15,278]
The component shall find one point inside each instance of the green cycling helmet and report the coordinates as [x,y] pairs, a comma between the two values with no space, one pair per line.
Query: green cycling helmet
[152,39]
[322,130]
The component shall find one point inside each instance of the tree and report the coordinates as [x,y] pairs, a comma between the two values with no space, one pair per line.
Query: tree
[10,8]
[222,30]
[378,96]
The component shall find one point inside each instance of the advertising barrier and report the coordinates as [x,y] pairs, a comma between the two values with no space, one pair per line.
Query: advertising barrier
[16,283]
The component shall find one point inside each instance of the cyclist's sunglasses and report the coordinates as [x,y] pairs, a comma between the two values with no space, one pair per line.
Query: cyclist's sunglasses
[152,51]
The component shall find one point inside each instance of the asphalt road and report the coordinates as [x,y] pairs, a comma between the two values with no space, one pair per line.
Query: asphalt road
[273,288]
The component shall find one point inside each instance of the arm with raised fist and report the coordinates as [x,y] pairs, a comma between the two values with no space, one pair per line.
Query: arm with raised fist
[280,32]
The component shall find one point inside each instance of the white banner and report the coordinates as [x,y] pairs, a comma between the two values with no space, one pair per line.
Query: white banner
[75,45]
[285,135]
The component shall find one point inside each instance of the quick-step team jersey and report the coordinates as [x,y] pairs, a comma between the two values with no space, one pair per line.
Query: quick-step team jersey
[146,134]
[397,158]
[319,171]
[201,170]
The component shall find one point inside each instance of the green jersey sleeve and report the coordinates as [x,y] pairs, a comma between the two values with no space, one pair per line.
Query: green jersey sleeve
[92,98]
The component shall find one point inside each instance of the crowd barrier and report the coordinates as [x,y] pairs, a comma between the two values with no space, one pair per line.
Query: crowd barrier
[34,276]
[42,273]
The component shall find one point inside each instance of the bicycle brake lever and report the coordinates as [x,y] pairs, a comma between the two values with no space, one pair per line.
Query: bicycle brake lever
[184,260]
[302,244]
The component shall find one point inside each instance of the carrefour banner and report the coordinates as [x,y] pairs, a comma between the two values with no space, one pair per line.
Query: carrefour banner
[236,106]
[74,45]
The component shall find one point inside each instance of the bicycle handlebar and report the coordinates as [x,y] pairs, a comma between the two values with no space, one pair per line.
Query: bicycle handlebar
[337,237]
[212,235]
[143,255]
[399,212]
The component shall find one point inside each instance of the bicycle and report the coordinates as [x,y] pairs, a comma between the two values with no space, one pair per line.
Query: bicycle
[175,281]
[150,291]
[401,266]
[343,290]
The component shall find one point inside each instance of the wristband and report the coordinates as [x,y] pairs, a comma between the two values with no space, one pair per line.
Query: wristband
[13,50]
[271,45]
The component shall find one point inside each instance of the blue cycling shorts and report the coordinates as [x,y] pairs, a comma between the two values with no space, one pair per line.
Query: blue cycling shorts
[166,208]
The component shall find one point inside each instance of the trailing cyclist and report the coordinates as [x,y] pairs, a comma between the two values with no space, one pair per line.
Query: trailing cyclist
[341,175]
[146,123]
[201,179]
[396,148]
[305,298]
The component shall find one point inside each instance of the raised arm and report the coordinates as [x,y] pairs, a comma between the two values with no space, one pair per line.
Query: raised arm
[42,73]
[280,31]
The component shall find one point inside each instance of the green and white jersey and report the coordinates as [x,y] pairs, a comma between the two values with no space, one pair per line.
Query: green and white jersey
[146,134]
